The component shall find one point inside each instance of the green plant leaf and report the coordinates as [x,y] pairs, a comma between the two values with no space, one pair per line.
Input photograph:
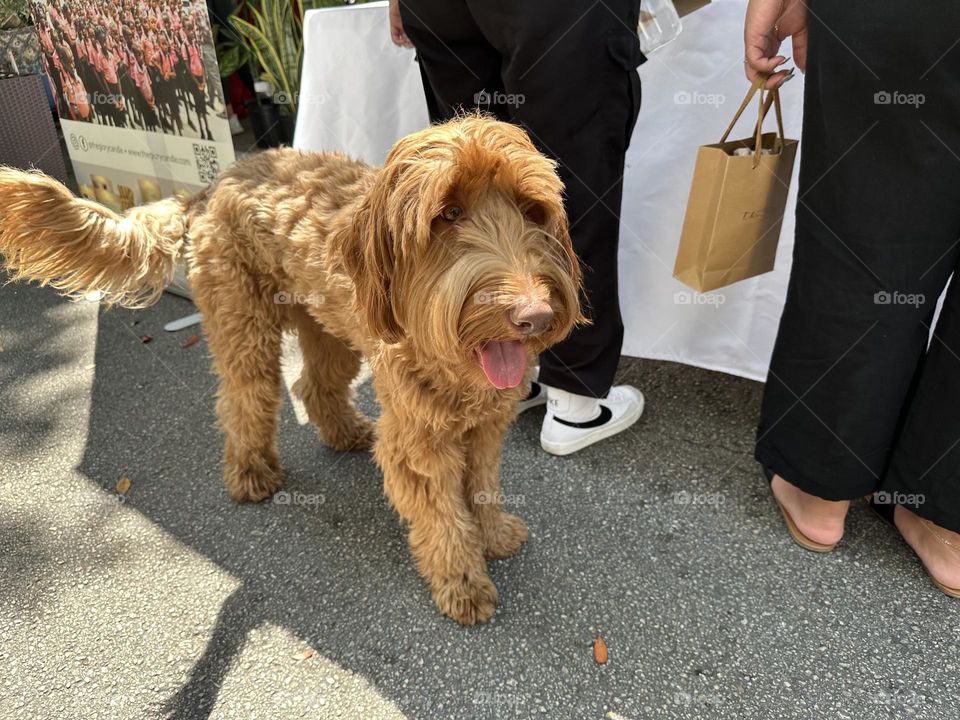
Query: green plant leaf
[263,49]
[272,34]
[232,59]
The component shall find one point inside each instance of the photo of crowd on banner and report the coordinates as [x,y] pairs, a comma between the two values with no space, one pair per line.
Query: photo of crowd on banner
[139,64]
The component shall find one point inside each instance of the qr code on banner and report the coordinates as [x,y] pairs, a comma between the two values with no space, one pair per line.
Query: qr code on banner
[208,164]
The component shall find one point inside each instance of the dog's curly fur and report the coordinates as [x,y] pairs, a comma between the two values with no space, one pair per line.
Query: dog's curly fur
[359,262]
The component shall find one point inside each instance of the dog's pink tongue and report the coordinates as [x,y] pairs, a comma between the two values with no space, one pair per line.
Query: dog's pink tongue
[503,362]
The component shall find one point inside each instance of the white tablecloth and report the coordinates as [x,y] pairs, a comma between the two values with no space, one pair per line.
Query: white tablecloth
[359,93]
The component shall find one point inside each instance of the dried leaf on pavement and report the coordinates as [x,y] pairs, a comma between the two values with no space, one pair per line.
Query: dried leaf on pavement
[600,655]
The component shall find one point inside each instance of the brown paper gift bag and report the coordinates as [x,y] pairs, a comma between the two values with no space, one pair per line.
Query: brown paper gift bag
[736,203]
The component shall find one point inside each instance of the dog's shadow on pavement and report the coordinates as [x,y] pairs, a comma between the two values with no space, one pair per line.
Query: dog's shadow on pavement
[330,565]
[332,568]
[664,540]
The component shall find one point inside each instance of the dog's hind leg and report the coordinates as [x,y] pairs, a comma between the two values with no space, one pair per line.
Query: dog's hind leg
[243,332]
[422,476]
[329,366]
[503,533]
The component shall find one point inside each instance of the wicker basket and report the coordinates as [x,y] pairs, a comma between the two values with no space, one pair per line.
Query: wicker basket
[28,135]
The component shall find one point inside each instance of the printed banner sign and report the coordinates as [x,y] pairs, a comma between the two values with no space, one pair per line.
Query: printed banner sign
[138,91]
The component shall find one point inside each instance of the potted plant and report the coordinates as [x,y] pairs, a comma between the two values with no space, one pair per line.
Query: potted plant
[272,34]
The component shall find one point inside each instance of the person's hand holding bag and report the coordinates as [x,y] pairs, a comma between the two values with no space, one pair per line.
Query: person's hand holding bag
[767,25]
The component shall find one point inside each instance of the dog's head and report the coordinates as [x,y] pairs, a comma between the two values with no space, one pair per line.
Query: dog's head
[461,248]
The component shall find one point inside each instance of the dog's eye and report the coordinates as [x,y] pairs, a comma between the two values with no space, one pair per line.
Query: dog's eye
[452,213]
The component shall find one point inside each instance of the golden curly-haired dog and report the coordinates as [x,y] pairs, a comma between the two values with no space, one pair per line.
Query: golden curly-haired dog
[448,269]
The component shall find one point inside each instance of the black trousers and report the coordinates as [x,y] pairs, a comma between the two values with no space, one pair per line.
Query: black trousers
[856,402]
[566,72]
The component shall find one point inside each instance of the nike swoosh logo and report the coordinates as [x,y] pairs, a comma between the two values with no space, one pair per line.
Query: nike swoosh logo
[602,419]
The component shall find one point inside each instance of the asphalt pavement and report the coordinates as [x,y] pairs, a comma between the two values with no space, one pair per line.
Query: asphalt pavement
[171,601]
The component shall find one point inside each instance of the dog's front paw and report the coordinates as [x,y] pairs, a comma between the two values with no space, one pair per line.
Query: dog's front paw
[352,434]
[505,536]
[468,599]
[252,483]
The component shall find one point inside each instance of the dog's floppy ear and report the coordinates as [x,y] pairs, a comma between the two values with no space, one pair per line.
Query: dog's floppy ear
[559,227]
[541,199]
[368,252]
[539,191]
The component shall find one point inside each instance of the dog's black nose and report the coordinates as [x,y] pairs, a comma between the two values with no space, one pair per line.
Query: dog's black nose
[531,318]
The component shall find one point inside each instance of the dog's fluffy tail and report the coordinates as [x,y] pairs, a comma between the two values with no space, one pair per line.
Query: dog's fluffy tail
[79,246]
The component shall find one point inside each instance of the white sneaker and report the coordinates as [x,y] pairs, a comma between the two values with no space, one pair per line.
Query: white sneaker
[622,407]
[537,395]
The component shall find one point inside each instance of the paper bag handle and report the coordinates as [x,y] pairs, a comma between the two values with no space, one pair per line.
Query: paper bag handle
[772,98]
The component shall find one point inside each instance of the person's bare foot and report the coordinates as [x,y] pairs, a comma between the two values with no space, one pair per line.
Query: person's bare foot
[937,547]
[820,520]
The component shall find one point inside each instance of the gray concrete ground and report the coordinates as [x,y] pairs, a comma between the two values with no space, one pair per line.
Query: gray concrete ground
[175,602]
